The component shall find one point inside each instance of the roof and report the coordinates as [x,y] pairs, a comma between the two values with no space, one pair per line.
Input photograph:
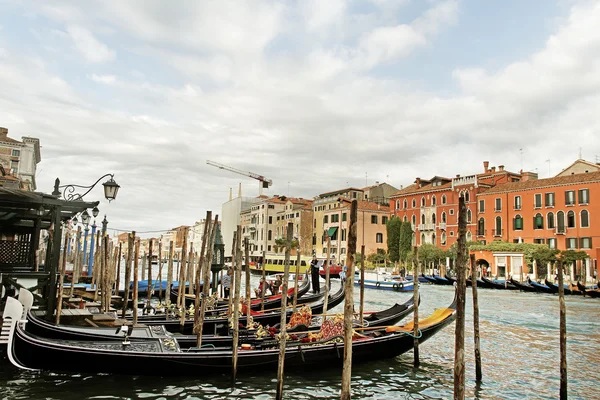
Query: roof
[543,183]
[340,191]
[412,189]
[362,206]
[580,161]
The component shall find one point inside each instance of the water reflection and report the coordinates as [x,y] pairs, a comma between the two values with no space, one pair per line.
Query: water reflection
[519,351]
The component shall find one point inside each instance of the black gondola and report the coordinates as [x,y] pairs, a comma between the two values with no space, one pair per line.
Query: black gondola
[524,286]
[430,279]
[554,288]
[541,288]
[442,281]
[499,285]
[449,278]
[588,292]
[142,357]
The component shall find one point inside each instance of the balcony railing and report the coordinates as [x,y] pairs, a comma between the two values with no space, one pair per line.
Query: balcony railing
[481,232]
[426,227]
[497,232]
[442,225]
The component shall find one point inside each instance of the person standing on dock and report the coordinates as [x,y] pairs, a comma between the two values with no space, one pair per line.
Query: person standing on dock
[226,282]
[314,272]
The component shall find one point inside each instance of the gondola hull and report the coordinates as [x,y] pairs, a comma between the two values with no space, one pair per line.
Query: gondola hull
[499,285]
[524,287]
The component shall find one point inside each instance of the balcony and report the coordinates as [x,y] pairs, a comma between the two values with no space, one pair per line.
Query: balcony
[481,233]
[561,231]
[426,227]
[497,232]
[442,226]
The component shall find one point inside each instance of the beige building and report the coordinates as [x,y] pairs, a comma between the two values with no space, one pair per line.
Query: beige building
[580,167]
[371,228]
[20,158]
[379,193]
[299,212]
[259,224]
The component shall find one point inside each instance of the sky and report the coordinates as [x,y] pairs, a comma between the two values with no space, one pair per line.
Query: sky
[315,95]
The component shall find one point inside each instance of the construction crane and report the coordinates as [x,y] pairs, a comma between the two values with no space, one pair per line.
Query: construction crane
[264,183]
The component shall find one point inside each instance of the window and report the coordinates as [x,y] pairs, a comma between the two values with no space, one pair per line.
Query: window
[444,199]
[343,250]
[422,238]
[14,164]
[570,219]
[343,235]
[314,241]
[270,235]
[560,222]
[443,239]
[498,204]
[538,221]
[467,197]
[16,153]
[517,223]
[585,243]
[405,204]
[384,220]
[379,238]
[335,218]
[537,200]
[468,216]
[549,199]
[469,236]
[550,220]
[584,196]
[405,219]
[414,219]
[270,219]
[498,230]
[451,233]
[397,204]
[433,218]
[343,216]
[433,238]
[481,205]
[551,243]
[373,219]
[570,197]
[326,219]
[315,224]
[585,219]
[571,243]
[538,241]
[433,201]
[451,211]
[422,218]
[517,203]
[481,227]
[444,217]
[422,201]
[414,203]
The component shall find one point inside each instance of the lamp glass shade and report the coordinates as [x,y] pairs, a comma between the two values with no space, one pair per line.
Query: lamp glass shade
[85,217]
[95,211]
[111,188]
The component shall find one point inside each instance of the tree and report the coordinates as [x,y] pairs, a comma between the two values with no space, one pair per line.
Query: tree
[569,257]
[393,227]
[281,244]
[406,235]
[378,257]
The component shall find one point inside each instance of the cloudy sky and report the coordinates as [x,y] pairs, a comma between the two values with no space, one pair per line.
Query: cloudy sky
[316,95]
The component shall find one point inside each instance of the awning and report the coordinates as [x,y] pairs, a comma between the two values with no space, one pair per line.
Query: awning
[331,231]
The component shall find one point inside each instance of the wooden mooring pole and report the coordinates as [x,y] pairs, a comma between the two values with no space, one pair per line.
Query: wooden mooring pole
[416,264]
[118,276]
[362,285]
[136,272]
[247,284]
[232,277]
[203,264]
[478,373]
[283,320]
[127,278]
[160,269]
[563,331]
[349,304]
[327,267]
[461,288]
[182,282]
[169,274]
[237,274]
[264,279]
[149,293]
[63,270]
[298,261]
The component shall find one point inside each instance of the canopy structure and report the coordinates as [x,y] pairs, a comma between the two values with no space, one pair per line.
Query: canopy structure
[331,231]
[23,215]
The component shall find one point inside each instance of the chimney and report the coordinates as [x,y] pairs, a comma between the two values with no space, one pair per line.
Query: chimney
[486,164]
[458,175]
[501,167]
[493,169]
[418,182]
[528,176]
[3,132]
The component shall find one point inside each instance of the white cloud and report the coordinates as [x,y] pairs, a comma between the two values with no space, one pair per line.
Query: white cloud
[88,46]
[106,79]
[320,14]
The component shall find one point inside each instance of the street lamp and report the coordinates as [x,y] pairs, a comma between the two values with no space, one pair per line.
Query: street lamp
[85,218]
[104,223]
[111,188]
[95,211]
[218,260]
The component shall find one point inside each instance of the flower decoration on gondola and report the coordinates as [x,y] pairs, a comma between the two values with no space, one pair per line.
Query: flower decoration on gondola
[301,317]
[332,327]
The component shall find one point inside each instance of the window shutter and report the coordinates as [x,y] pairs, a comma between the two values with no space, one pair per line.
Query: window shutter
[590,240]
[580,195]
[547,199]
[581,243]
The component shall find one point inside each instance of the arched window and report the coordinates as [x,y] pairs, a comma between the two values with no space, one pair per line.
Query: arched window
[405,218]
[414,203]
[467,196]
[517,202]
[414,219]
[422,218]
[422,238]
[443,199]
[444,217]
[517,223]
[469,216]
[405,204]
[498,230]
[469,236]
[550,220]
[571,219]
[379,238]
[423,201]
[397,204]
[433,239]
[269,235]
[443,239]
[481,227]
[585,219]
[433,218]
[560,222]
[433,200]
[538,221]
[414,239]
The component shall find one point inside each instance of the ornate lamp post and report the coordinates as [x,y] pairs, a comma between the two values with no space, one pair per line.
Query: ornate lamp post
[218,260]
[111,188]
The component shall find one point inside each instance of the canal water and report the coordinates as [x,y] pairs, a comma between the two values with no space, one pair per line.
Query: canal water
[520,354]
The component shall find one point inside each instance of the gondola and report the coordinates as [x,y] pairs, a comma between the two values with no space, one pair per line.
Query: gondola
[272,301]
[541,288]
[499,285]
[42,328]
[158,356]
[588,291]
[429,279]
[421,279]
[442,281]
[523,286]
[554,288]
[216,322]
[449,278]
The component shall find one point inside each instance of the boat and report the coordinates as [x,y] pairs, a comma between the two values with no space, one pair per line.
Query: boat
[421,278]
[429,279]
[442,281]
[275,263]
[554,288]
[539,287]
[523,286]
[397,285]
[217,321]
[588,290]
[496,284]
[164,356]
[334,271]
[449,278]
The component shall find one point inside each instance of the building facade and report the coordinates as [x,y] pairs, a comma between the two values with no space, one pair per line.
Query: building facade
[20,158]
[299,212]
